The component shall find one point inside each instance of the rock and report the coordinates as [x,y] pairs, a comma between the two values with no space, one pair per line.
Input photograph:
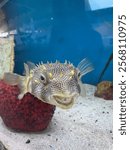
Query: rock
[105,90]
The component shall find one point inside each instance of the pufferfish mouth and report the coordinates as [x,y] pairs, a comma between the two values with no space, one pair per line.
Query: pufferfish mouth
[64,102]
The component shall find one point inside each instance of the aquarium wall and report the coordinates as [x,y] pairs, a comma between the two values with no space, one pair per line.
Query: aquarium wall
[49,30]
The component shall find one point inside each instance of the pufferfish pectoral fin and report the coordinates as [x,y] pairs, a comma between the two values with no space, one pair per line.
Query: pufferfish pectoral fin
[11,78]
[84,67]
[15,79]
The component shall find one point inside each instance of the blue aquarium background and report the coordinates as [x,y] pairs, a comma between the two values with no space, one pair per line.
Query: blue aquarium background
[50,30]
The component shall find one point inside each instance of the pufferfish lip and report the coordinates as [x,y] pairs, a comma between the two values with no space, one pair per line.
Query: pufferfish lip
[64,100]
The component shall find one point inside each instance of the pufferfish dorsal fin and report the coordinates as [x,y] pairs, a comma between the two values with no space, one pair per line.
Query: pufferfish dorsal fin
[85,67]
[31,65]
[28,67]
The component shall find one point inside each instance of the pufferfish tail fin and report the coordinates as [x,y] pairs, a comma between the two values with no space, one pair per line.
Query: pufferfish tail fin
[85,67]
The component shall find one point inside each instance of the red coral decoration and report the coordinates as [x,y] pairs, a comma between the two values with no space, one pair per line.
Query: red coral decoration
[28,115]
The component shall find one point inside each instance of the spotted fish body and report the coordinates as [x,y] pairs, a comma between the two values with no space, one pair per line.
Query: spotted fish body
[54,83]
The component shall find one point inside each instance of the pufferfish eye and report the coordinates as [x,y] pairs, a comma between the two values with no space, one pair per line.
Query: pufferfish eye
[43,78]
[79,74]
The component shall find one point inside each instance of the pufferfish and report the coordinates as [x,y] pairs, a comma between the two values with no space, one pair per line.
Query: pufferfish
[56,83]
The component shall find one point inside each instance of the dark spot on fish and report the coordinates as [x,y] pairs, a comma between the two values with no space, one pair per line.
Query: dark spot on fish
[103,112]
[28,141]
[56,139]
[107,112]
[74,120]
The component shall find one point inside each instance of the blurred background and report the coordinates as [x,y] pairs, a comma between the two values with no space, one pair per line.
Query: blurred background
[46,30]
